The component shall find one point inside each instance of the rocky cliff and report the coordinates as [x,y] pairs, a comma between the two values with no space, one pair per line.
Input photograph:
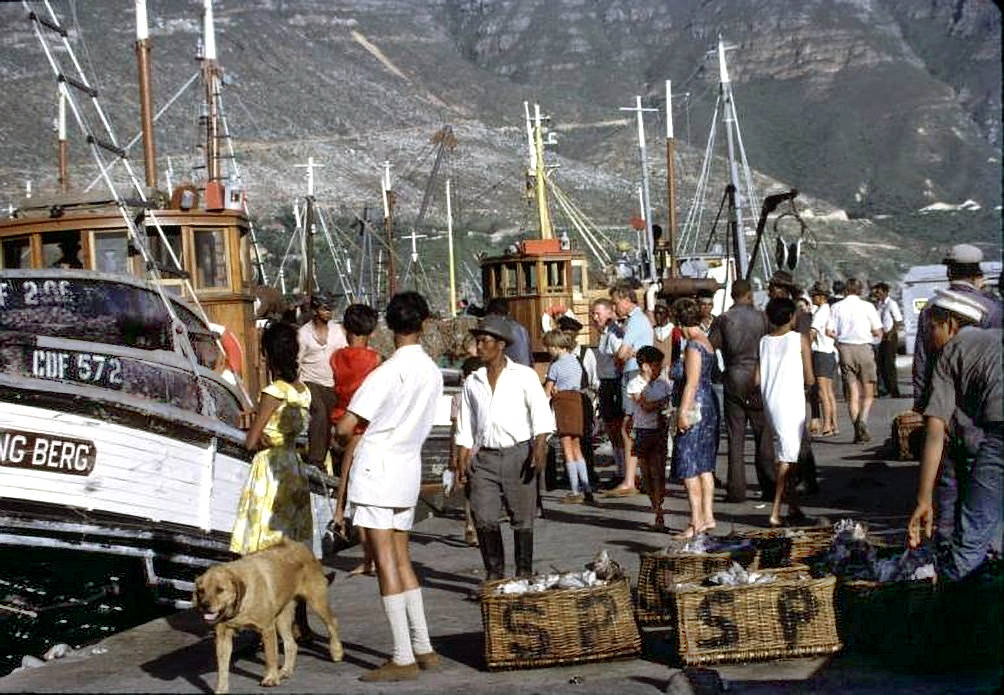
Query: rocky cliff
[876,107]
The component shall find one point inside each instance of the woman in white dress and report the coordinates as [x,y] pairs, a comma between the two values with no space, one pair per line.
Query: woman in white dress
[784,375]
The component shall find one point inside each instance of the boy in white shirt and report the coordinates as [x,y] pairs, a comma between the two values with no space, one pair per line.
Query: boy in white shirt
[398,401]
[650,393]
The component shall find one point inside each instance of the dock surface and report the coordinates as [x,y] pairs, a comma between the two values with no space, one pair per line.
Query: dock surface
[175,654]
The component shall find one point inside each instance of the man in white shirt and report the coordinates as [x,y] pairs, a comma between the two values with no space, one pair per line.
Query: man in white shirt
[892,323]
[506,417]
[397,404]
[853,323]
[318,339]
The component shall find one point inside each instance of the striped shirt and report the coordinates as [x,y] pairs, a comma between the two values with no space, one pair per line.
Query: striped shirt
[565,372]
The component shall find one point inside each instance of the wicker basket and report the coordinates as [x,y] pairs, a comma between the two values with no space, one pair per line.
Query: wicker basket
[787,618]
[894,619]
[561,626]
[779,547]
[908,435]
[660,572]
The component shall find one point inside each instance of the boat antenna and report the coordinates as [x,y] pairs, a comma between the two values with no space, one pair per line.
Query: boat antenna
[64,157]
[537,161]
[449,249]
[670,180]
[646,199]
[145,94]
[725,87]
[211,81]
[307,229]
[388,225]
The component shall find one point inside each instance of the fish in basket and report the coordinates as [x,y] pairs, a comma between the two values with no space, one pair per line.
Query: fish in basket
[780,547]
[662,570]
[558,619]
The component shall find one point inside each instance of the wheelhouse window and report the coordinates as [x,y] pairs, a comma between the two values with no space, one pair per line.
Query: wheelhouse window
[211,268]
[110,252]
[529,273]
[247,269]
[16,252]
[555,272]
[61,250]
[579,278]
[497,290]
[159,250]
[510,281]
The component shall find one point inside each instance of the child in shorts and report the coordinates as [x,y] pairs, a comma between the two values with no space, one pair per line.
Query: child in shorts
[564,379]
[651,393]
[349,366]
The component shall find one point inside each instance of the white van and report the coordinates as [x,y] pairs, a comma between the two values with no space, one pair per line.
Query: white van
[919,284]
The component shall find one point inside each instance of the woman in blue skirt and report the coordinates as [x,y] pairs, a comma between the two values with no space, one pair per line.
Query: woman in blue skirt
[695,445]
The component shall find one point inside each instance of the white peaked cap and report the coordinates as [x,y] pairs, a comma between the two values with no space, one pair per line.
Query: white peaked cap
[959,303]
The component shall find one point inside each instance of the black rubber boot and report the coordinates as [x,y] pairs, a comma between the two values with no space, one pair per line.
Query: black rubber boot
[492,552]
[523,541]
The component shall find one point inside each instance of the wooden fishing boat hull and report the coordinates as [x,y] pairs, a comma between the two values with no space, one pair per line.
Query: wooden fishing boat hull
[80,470]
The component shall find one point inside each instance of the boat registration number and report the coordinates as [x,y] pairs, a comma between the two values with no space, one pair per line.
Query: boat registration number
[44,452]
[82,367]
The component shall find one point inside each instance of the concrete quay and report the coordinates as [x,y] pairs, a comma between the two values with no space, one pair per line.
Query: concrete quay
[175,654]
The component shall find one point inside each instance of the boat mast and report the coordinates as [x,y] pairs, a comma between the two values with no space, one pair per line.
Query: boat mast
[307,228]
[537,161]
[670,180]
[725,86]
[449,247]
[646,200]
[210,78]
[64,157]
[388,225]
[145,94]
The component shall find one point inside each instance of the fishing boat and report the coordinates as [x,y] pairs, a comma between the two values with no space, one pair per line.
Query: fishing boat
[542,273]
[128,349]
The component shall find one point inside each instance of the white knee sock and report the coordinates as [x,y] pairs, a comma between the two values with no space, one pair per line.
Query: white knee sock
[583,474]
[416,621]
[573,476]
[395,608]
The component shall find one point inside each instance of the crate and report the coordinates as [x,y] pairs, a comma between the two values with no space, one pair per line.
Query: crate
[559,626]
[791,617]
[661,572]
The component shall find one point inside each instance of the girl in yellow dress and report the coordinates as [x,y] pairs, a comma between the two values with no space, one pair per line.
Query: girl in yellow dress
[275,502]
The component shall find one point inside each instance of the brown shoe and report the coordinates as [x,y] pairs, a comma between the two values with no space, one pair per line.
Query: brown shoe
[427,661]
[391,672]
[621,492]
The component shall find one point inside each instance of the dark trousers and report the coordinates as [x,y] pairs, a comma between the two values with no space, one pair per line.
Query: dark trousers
[503,477]
[886,362]
[738,411]
[322,402]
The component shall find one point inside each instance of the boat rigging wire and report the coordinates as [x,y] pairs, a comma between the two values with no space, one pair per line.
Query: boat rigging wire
[156,117]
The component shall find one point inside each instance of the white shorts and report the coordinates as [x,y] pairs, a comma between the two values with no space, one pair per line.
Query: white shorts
[397,518]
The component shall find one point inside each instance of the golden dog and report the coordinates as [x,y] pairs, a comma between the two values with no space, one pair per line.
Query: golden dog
[260,591]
